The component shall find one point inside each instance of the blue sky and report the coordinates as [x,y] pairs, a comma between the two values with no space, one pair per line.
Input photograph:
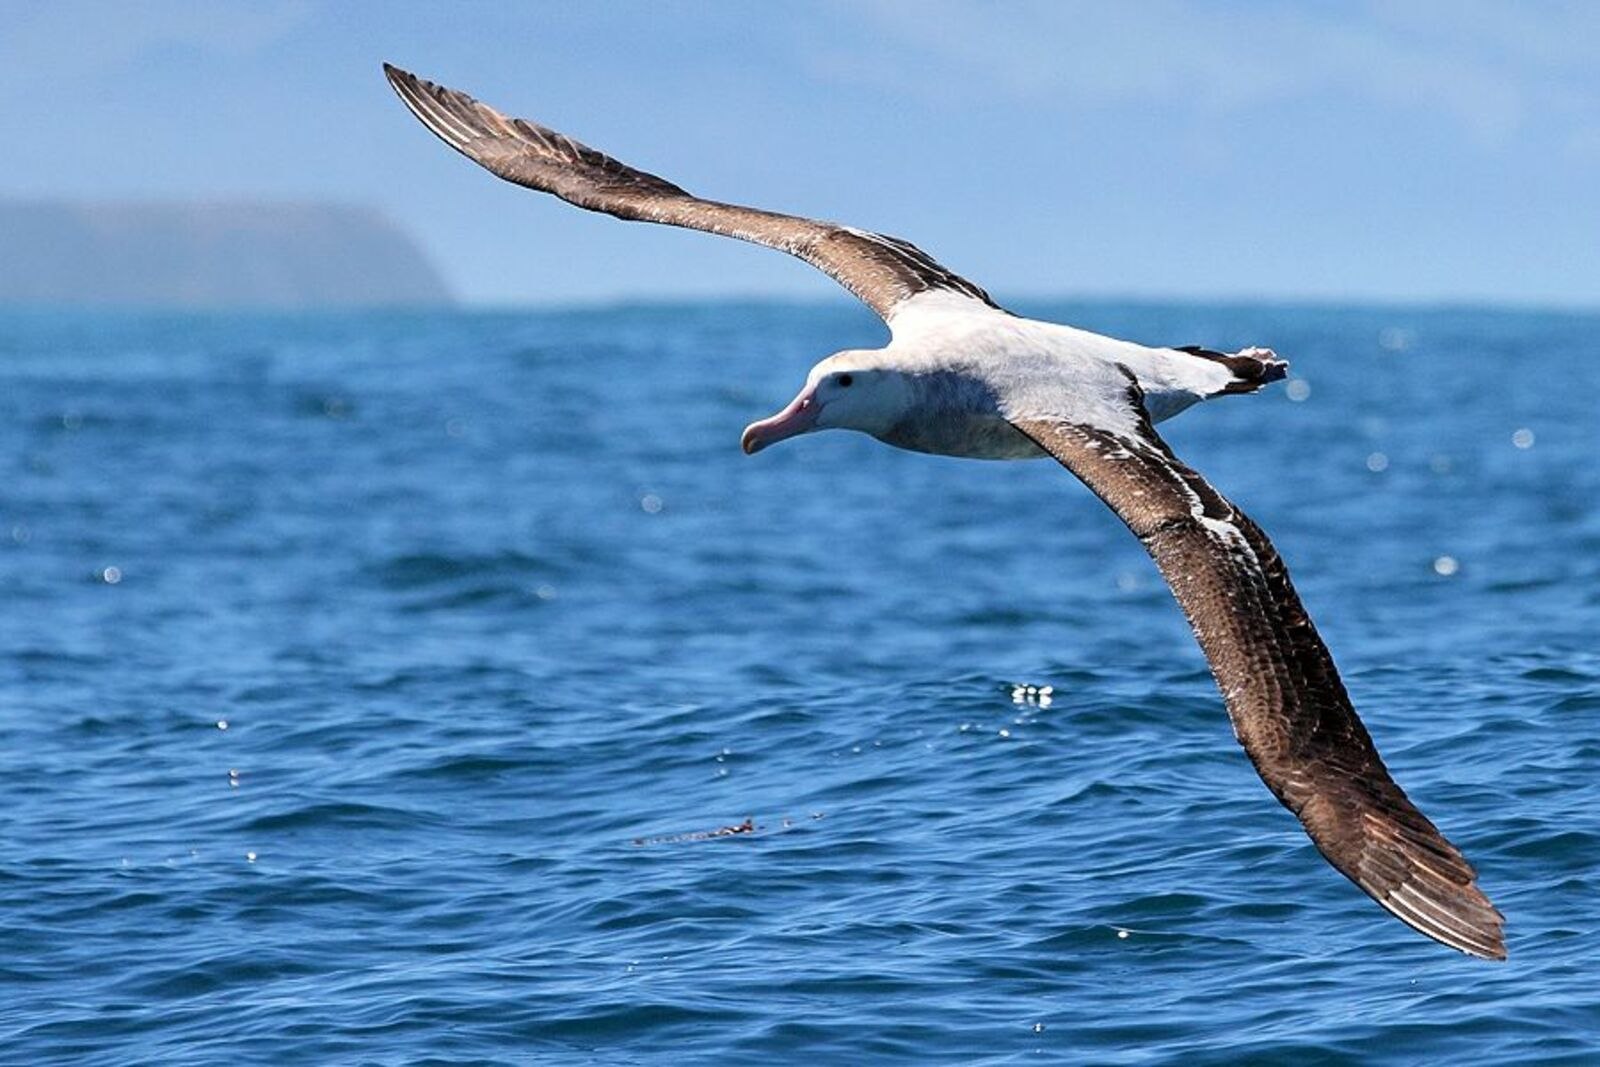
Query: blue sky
[1405,151]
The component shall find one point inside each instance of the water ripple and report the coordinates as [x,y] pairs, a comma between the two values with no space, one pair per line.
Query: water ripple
[835,754]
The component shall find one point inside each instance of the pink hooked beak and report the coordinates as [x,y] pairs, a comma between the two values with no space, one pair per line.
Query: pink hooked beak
[799,417]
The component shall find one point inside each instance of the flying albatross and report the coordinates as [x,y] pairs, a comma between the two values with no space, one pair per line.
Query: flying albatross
[963,377]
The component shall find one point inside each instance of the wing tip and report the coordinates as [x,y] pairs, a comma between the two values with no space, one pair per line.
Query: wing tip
[1492,947]
[407,86]
[1497,954]
[450,115]
[1463,919]
[1488,940]
[397,76]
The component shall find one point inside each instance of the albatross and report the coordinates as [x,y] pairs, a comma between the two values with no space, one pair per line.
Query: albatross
[961,376]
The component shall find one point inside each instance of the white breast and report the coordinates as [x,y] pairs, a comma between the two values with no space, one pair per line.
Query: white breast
[1041,370]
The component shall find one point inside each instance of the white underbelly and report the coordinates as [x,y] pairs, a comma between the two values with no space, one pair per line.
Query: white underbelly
[971,437]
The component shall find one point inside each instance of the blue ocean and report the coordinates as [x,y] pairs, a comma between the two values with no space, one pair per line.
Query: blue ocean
[449,688]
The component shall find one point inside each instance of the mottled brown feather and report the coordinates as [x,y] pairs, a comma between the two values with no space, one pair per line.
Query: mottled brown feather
[1289,708]
[882,271]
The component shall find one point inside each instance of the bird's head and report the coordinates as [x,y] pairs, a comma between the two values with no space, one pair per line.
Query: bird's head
[847,391]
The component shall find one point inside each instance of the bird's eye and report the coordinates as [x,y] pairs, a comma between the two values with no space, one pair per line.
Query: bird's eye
[844,380]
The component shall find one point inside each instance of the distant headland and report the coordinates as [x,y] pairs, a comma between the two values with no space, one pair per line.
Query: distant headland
[210,256]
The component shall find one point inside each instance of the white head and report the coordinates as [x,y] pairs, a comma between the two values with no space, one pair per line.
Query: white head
[847,391]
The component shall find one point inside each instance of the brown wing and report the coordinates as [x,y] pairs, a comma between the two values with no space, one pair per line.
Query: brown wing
[882,271]
[1288,706]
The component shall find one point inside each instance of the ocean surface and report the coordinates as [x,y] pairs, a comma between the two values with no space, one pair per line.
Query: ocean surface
[373,688]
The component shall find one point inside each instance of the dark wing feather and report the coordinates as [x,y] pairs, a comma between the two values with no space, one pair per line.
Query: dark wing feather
[1288,706]
[881,271]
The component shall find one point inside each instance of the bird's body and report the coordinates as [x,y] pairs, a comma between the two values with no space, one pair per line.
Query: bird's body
[970,372]
[960,376]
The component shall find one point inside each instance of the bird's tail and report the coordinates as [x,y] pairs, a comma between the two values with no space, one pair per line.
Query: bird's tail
[1252,367]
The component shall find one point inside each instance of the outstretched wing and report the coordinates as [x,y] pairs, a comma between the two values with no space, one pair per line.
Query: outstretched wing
[1288,706]
[882,271]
